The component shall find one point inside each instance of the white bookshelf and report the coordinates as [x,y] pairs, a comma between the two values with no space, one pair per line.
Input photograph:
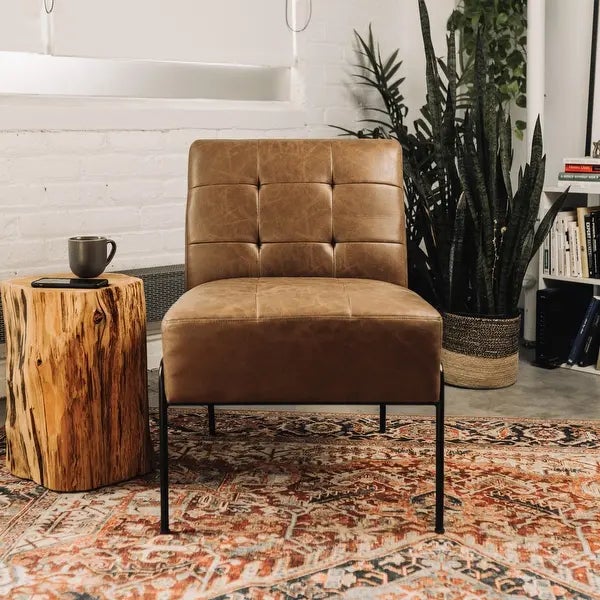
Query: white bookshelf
[589,196]
[577,188]
[584,280]
[591,369]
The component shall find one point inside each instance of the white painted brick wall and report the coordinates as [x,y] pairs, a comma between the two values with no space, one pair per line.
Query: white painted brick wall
[131,185]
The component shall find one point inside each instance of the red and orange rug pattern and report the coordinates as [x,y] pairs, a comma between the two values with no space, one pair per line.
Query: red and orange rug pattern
[313,506]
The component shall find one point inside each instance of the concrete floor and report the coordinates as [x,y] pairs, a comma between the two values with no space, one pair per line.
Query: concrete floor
[538,393]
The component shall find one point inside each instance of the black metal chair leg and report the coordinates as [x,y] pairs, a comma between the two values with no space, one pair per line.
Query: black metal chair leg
[212,429]
[164,453]
[439,459]
[382,408]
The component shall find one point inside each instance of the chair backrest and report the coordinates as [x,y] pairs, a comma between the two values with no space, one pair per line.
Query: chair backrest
[292,208]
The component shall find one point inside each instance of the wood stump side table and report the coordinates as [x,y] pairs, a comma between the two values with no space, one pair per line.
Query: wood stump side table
[77,406]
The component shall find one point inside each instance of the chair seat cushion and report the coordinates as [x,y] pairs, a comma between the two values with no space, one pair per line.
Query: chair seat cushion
[311,340]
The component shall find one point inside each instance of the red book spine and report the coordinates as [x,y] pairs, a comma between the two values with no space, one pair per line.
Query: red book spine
[577,168]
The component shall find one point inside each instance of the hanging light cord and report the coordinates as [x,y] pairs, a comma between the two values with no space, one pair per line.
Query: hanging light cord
[287,17]
[50,8]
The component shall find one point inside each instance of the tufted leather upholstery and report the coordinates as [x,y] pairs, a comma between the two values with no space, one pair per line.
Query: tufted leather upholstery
[272,208]
[296,276]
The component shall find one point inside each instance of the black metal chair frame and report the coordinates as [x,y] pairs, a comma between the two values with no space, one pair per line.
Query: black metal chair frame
[164,450]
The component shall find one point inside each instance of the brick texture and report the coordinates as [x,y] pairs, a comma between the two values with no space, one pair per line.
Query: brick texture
[131,185]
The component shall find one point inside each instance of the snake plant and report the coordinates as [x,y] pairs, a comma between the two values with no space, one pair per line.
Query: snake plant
[469,238]
[495,235]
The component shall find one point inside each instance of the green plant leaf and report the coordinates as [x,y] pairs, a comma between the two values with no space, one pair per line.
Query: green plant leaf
[391,63]
[456,264]
[546,223]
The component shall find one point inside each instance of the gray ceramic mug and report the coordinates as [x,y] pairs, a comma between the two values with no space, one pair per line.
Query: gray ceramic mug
[87,254]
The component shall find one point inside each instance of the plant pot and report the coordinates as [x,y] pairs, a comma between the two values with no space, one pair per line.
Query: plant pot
[480,352]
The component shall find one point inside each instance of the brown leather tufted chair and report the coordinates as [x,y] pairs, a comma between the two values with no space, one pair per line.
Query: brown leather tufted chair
[296,277]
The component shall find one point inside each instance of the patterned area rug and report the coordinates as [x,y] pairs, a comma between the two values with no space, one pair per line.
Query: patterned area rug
[288,505]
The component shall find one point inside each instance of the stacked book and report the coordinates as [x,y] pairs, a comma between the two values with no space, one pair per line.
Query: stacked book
[586,346]
[572,248]
[581,172]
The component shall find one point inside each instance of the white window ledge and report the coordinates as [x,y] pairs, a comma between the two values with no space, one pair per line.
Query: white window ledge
[19,113]
[52,92]
[29,73]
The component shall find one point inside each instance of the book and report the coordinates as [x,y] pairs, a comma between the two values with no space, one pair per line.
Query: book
[554,248]
[546,255]
[578,253]
[596,241]
[572,169]
[581,160]
[595,176]
[574,260]
[590,187]
[595,270]
[591,345]
[585,238]
[584,328]
[566,217]
[560,246]
[587,220]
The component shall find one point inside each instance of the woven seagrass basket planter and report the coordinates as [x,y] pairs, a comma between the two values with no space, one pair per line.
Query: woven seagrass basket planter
[480,352]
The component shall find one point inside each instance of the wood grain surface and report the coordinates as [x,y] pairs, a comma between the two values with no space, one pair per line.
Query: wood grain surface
[77,409]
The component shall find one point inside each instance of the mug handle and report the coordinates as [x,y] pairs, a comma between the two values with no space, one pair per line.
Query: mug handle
[113,245]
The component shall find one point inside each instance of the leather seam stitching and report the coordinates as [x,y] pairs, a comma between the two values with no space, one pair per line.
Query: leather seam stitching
[328,183]
[304,318]
[325,243]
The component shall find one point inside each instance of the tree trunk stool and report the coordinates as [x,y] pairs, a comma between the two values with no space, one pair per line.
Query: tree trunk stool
[77,406]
